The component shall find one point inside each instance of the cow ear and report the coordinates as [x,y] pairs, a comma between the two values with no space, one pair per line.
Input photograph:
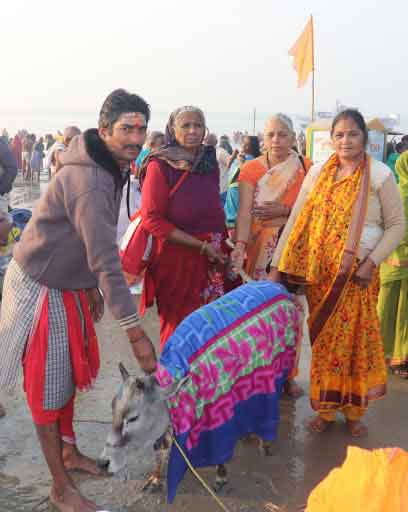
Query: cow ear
[123,372]
[173,389]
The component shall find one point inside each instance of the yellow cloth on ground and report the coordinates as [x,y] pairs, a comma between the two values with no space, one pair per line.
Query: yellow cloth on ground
[368,481]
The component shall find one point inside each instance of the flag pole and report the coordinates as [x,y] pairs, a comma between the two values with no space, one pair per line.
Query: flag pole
[313,71]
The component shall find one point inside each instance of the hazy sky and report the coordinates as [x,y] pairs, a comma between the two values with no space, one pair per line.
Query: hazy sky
[223,55]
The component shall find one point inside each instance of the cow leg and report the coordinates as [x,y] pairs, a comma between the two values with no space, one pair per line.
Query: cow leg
[221,478]
[266,447]
[155,482]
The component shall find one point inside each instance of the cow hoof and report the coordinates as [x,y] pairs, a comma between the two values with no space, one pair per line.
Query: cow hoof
[152,485]
[220,485]
[267,449]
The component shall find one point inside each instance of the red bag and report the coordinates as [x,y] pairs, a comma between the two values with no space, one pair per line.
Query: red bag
[138,247]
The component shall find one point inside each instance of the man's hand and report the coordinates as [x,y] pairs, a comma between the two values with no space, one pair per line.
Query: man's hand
[143,349]
[95,301]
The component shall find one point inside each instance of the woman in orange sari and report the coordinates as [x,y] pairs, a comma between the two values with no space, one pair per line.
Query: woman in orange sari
[268,187]
[347,219]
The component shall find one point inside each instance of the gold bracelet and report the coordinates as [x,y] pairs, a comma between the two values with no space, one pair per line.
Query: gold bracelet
[204,247]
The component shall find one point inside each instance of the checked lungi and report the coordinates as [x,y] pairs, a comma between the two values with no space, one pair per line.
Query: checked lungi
[50,333]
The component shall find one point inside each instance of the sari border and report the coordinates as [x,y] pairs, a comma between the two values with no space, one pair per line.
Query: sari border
[348,258]
[332,399]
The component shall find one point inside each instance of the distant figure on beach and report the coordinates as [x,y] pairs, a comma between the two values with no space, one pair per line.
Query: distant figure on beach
[16,148]
[223,161]
[27,148]
[52,159]
[393,156]
[51,296]
[154,140]
[8,173]
[249,150]
[225,144]
[37,158]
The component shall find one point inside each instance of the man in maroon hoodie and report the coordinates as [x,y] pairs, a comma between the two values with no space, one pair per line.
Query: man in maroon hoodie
[51,296]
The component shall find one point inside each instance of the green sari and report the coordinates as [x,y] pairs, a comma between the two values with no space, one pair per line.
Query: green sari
[393,298]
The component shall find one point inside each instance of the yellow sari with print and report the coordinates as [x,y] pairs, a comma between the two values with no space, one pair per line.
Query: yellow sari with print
[347,368]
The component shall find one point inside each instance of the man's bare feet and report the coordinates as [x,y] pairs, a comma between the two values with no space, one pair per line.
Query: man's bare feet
[292,389]
[318,425]
[357,428]
[2,411]
[71,500]
[75,460]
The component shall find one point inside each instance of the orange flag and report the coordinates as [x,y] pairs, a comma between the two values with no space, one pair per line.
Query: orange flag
[302,52]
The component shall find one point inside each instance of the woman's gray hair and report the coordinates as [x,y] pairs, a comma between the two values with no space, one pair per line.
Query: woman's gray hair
[283,118]
[169,134]
[188,108]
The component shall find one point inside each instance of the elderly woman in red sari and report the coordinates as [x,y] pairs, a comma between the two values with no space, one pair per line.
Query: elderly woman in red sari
[268,187]
[347,219]
[189,269]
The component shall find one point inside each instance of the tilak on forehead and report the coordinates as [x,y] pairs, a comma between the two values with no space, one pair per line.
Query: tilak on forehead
[134,119]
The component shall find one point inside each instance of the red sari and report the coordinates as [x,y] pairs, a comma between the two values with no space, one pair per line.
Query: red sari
[181,279]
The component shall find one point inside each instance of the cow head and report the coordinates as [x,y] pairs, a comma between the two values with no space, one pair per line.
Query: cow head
[139,420]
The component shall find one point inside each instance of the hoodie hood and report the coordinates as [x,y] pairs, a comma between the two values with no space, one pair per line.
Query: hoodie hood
[88,149]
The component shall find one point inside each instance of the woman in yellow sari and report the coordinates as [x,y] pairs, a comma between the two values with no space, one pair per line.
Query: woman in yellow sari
[268,187]
[347,219]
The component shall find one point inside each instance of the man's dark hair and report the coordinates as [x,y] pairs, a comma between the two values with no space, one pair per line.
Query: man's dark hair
[120,102]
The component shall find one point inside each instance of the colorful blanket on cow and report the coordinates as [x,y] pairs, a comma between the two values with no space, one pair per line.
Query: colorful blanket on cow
[238,351]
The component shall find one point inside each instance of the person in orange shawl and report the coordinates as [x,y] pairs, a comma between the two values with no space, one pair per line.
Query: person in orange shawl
[347,219]
[372,481]
[268,187]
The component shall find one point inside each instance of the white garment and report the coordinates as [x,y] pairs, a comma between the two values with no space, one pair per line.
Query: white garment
[223,159]
[135,200]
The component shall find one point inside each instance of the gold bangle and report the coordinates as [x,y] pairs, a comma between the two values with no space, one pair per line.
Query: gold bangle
[203,247]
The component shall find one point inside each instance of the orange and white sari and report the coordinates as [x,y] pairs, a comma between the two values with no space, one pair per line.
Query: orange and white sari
[281,183]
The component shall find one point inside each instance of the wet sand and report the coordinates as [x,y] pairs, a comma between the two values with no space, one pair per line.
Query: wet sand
[299,462]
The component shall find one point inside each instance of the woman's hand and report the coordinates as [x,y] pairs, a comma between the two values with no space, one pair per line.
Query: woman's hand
[96,304]
[143,349]
[274,275]
[364,273]
[270,210]
[213,255]
[238,257]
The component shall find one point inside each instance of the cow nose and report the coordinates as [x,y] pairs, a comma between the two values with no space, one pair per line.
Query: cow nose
[103,464]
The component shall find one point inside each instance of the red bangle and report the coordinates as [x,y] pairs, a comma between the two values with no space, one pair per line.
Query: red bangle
[241,242]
